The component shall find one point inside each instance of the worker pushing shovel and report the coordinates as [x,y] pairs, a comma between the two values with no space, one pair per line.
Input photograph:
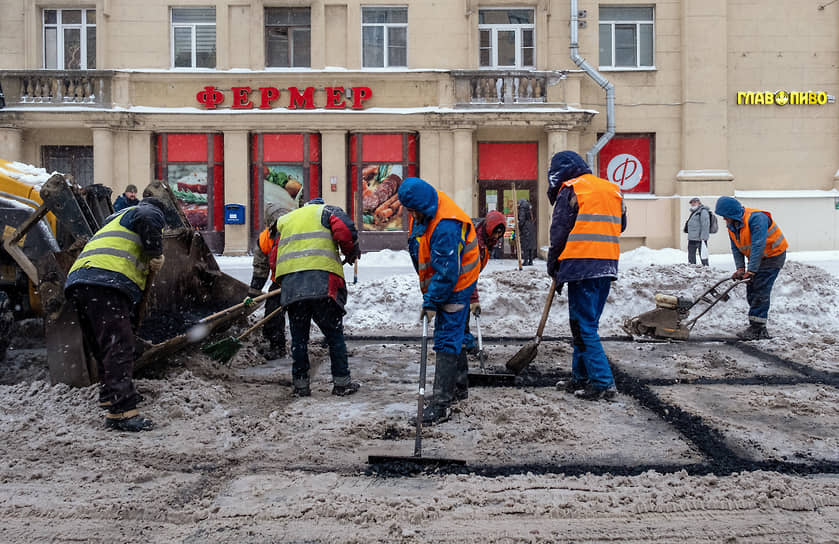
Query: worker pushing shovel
[588,218]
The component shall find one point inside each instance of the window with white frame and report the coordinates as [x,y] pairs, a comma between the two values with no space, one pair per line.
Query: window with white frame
[627,37]
[506,38]
[288,36]
[384,36]
[69,39]
[193,37]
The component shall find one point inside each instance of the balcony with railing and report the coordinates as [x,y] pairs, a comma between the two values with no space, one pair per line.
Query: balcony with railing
[57,87]
[504,87]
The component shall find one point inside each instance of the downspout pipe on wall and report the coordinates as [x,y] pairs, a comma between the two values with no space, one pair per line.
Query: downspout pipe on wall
[602,81]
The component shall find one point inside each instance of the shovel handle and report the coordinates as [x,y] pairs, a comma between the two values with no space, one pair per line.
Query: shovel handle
[259,323]
[241,305]
[421,390]
[546,311]
[355,272]
[480,342]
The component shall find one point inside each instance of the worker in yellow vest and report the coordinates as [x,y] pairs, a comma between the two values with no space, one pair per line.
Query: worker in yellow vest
[444,249]
[105,284]
[754,235]
[311,275]
[264,264]
[588,219]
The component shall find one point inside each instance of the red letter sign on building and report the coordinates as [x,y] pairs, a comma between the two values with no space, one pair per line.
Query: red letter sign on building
[333,95]
[306,100]
[268,94]
[625,160]
[240,98]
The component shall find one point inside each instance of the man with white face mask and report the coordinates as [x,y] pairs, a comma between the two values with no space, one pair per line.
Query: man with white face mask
[697,228]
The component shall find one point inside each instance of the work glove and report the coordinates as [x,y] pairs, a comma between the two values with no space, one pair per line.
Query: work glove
[475,308]
[354,255]
[739,274]
[429,313]
[156,263]
[553,262]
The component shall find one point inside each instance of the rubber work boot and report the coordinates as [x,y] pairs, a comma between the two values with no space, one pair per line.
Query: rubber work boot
[130,421]
[461,384]
[344,390]
[300,388]
[592,392]
[570,385]
[755,331]
[445,379]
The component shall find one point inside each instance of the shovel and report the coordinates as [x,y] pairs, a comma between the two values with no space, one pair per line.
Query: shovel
[224,350]
[417,458]
[525,355]
[484,378]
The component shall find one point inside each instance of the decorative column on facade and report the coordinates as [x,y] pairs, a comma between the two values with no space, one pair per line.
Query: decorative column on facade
[11,144]
[236,189]
[463,171]
[557,141]
[430,159]
[333,154]
[103,158]
[704,88]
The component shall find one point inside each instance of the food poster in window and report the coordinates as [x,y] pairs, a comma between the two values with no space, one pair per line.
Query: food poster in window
[189,185]
[381,209]
[283,185]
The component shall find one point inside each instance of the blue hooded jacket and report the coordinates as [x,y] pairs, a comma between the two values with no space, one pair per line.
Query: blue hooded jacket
[567,165]
[417,194]
[759,222]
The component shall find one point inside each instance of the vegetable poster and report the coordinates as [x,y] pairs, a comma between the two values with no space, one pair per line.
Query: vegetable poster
[284,185]
[381,209]
[189,185]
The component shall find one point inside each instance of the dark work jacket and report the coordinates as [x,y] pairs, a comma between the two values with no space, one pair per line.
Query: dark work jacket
[315,284]
[147,221]
[122,202]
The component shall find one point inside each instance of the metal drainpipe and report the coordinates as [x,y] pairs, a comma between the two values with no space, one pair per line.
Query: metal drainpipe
[602,81]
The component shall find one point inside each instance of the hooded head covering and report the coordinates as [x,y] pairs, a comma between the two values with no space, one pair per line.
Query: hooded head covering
[493,219]
[417,194]
[524,203]
[153,201]
[316,200]
[729,207]
[565,165]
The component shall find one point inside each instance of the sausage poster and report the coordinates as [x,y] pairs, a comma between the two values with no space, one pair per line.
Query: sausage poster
[381,209]
[189,185]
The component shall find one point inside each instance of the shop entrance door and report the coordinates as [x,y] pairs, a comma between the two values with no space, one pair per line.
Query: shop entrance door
[76,160]
[498,195]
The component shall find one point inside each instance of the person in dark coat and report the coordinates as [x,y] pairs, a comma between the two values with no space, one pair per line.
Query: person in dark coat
[527,227]
[311,275]
[126,199]
[106,284]
[588,219]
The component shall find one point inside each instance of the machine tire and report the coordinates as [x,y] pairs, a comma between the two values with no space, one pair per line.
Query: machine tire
[7,323]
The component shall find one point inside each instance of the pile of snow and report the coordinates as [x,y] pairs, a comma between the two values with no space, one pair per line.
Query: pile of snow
[25,173]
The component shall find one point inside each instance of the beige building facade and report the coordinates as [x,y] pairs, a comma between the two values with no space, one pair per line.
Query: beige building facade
[232,101]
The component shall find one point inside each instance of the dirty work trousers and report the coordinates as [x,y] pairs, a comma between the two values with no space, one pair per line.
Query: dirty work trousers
[586,299]
[758,293]
[329,318]
[274,330]
[105,316]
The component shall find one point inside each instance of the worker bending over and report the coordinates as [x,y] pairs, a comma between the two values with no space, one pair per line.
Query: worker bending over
[264,265]
[311,276]
[105,285]
[444,249]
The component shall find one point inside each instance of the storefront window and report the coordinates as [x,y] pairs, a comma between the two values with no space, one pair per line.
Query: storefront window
[507,173]
[379,163]
[193,166]
[285,171]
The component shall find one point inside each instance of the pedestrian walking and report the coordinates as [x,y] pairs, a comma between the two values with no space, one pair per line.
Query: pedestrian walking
[527,227]
[698,229]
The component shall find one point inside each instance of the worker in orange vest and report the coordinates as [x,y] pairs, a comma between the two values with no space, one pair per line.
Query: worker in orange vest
[588,219]
[444,249]
[756,236]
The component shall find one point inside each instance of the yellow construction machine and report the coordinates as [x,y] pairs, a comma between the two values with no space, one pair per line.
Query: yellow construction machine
[46,221]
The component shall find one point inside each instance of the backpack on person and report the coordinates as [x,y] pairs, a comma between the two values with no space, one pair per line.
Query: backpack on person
[713,225]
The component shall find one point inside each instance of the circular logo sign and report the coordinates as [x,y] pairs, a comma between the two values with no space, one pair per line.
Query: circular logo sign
[781,98]
[625,170]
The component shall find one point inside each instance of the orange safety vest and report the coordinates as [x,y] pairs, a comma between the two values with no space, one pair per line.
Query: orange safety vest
[468,247]
[268,246]
[596,233]
[775,241]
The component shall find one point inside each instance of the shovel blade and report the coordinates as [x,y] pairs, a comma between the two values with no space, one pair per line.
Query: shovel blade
[524,357]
